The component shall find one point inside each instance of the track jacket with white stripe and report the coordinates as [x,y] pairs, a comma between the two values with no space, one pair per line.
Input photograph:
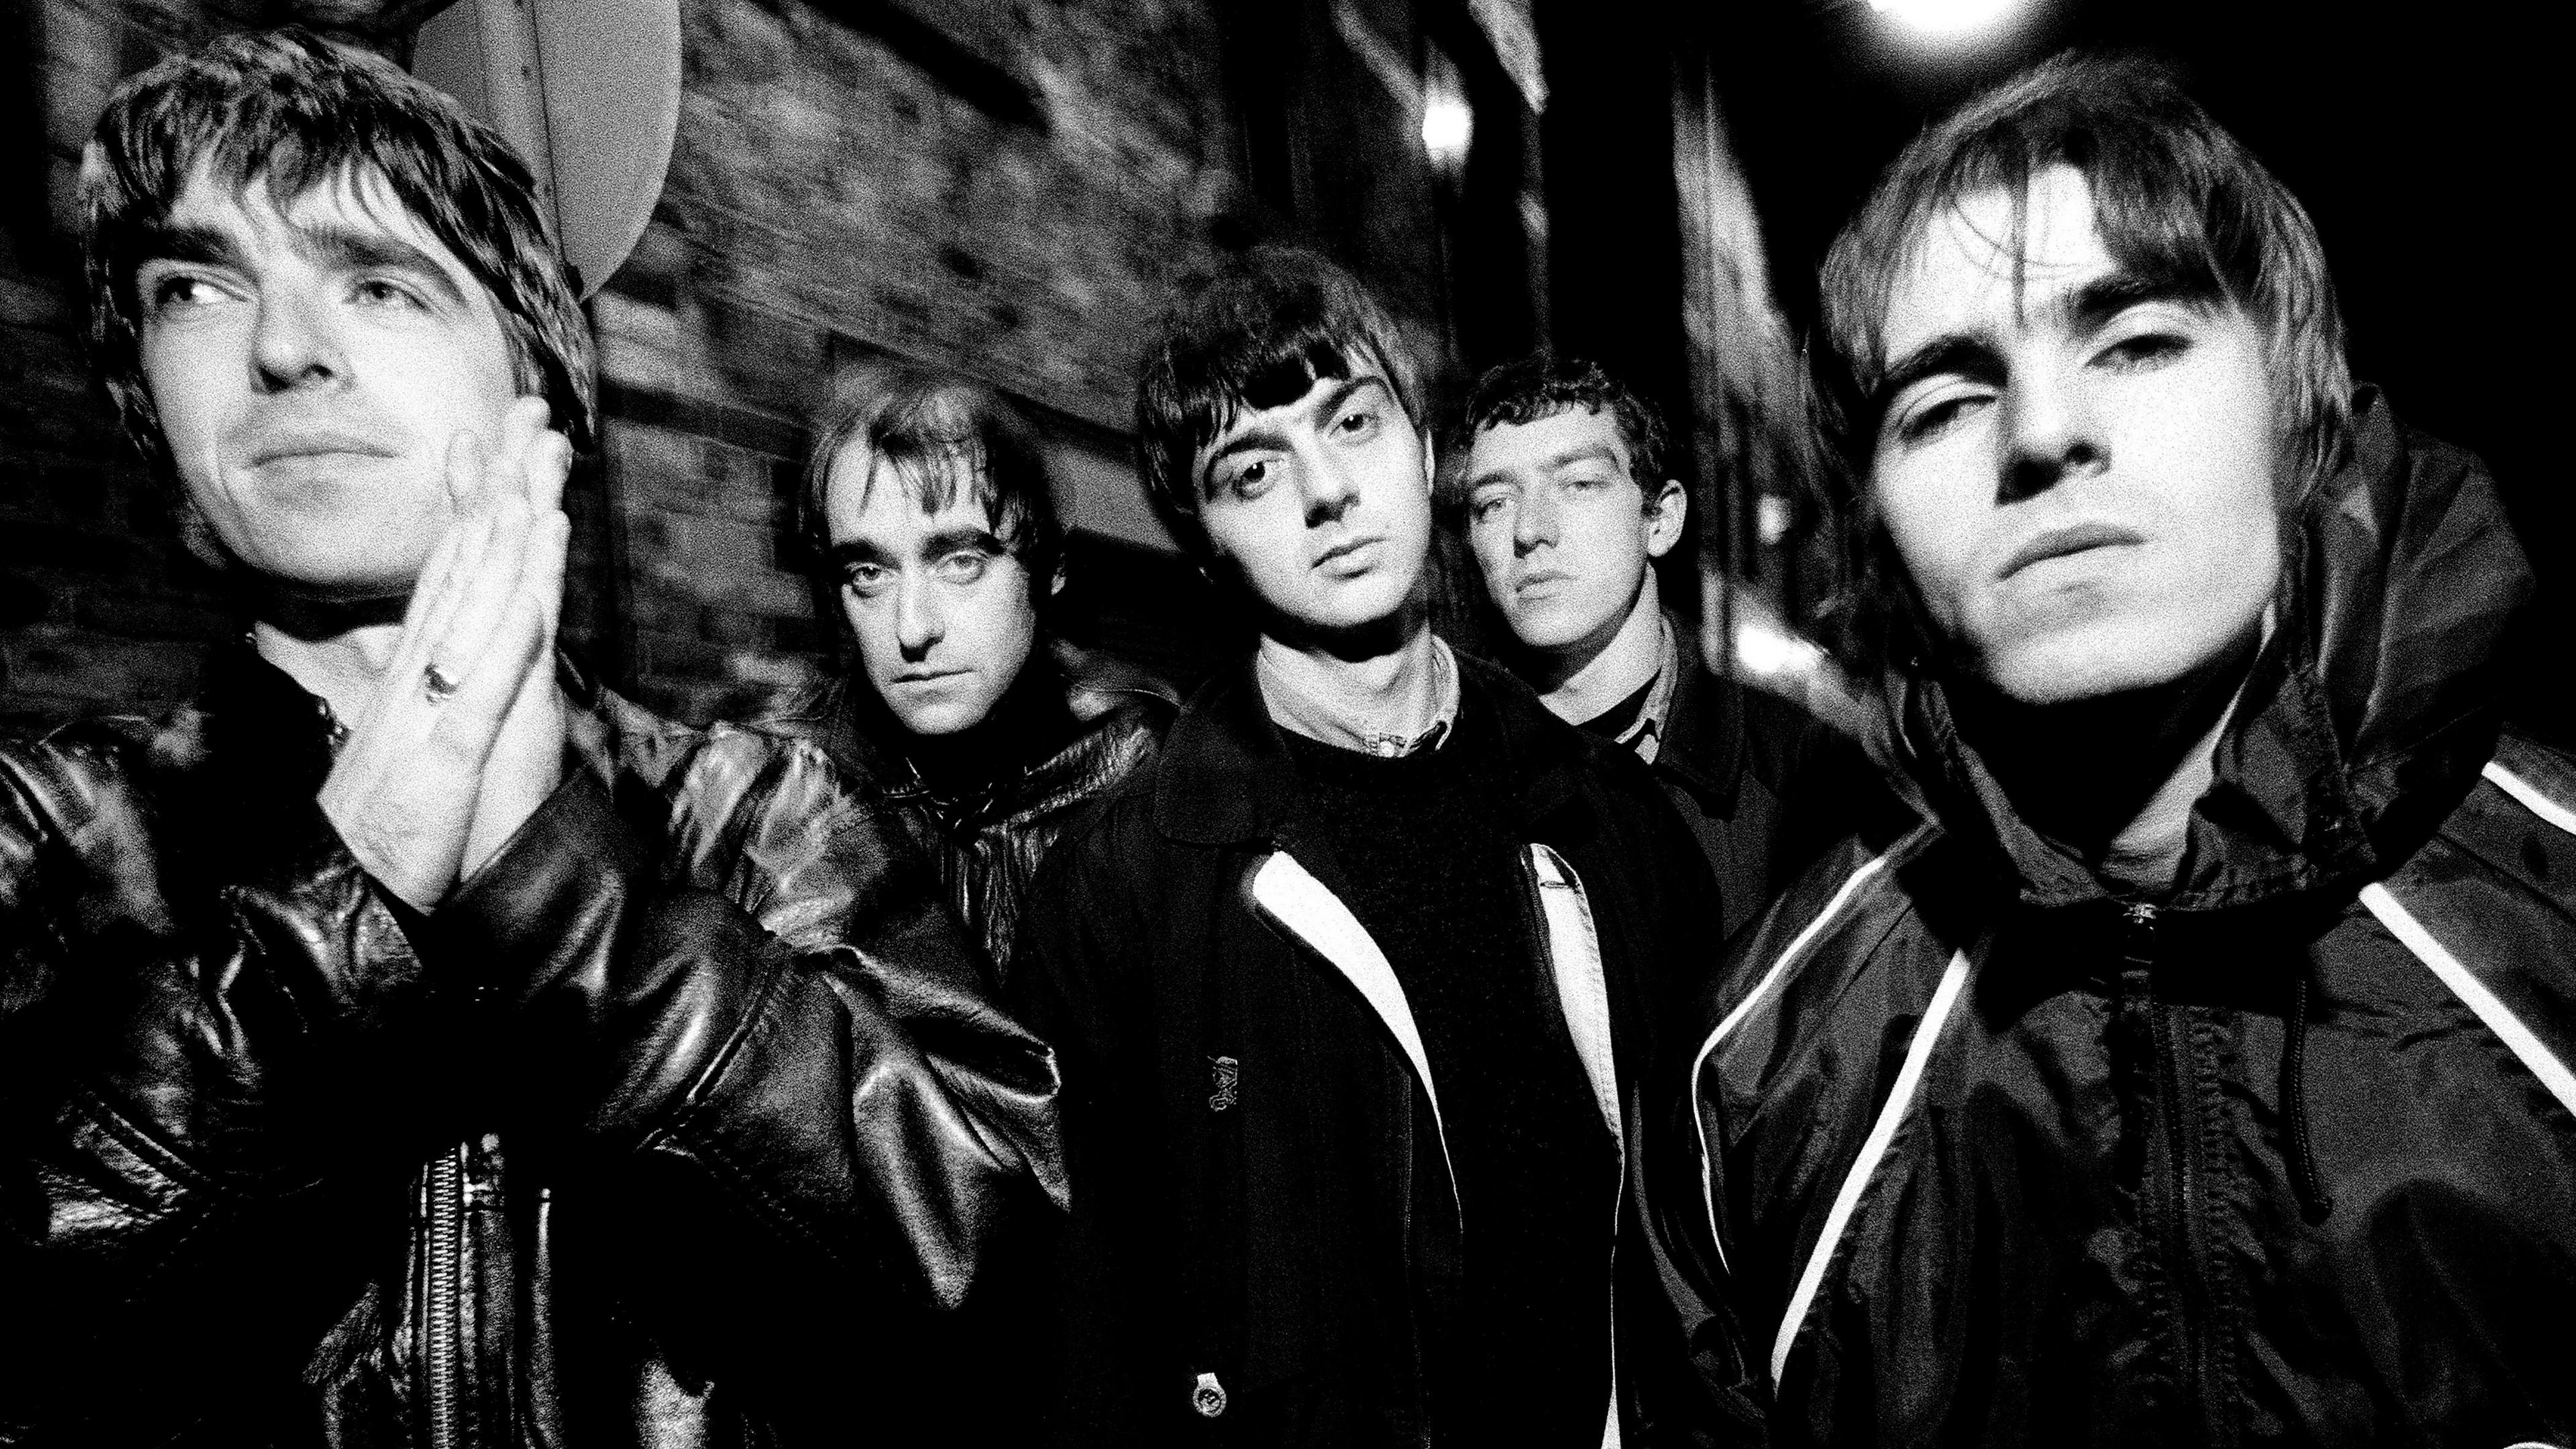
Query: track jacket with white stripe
[1257,1228]
[1974,1153]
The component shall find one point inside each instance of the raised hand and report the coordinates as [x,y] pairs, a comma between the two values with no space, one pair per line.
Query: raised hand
[409,787]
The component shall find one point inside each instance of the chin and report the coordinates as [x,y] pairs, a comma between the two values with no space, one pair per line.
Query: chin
[2107,658]
[1554,629]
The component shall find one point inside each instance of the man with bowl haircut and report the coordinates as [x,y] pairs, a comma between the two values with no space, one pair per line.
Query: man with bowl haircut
[1354,984]
[1566,507]
[411,1041]
[2200,1072]
[931,510]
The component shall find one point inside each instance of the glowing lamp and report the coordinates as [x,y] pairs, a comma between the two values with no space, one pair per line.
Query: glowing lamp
[1944,17]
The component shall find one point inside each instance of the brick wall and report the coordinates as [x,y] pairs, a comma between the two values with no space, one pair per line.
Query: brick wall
[1005,188]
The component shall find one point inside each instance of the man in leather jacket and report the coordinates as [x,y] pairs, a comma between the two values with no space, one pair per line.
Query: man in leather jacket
[930,510]
[412,1042]
[2199,1073]
[1353,983]
[1566,509]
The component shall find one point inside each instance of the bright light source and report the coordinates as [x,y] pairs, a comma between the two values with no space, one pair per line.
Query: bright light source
[1766,650]
[1448,124]
[1944,17]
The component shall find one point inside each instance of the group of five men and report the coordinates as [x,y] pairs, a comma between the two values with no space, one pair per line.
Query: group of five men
[413,1042]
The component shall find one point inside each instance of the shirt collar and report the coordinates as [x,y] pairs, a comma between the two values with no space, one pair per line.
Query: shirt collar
[1302,713]
[1645,734]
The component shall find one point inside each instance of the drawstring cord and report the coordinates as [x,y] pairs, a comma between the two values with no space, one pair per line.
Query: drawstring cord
[2313,1202]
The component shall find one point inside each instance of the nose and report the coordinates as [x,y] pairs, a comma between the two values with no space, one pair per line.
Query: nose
[1328,482]
[2050,433]
[295,344]
[919,622]
[1533,519]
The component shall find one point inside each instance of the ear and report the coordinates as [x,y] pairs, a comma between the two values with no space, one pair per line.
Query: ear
[1666,511]
[1055,584]
[1430,462]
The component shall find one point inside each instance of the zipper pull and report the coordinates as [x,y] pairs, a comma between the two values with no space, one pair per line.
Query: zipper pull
[2138,941]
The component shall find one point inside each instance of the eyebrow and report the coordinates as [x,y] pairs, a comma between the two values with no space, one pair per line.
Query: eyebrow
[1587,452]
[1975,353]
[938,544]
[1260,437]
[329,245]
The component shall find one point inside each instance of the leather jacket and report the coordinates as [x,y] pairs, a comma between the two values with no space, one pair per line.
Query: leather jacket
[1055,744]
[570,1159]
[1976,1151]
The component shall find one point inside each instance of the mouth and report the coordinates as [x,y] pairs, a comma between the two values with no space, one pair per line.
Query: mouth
[1342,552]
[292,447]
[927,676]
[1534,582]
[2066,542]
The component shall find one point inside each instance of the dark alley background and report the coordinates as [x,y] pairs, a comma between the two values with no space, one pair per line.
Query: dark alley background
[1011,187]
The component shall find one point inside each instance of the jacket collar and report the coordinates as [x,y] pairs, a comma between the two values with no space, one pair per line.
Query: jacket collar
[1703,728]
[2363,722]
[1226,778]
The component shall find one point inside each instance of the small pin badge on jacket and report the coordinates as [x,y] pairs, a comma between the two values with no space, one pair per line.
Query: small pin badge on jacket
[1208,1396]
[1223,1072]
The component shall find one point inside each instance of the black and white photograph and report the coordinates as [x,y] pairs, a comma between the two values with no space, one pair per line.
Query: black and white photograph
[1284,724]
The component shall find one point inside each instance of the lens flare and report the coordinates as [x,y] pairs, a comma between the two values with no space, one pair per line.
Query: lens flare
[1944,17]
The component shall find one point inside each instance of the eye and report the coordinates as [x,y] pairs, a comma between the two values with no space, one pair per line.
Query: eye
[965,566]
[866,580]
[384,292]
[2143,350]
[1251,478]
[1937,414]
[174,292]
[1487,505]
[1357,424]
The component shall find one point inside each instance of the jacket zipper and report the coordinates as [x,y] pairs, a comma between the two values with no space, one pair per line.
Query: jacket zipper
[443,1294]
[2185,1192]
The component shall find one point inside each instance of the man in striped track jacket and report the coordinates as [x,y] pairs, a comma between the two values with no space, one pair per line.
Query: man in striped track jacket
[2199,1073]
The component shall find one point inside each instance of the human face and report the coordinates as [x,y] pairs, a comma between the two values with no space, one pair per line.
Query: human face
[1561,527]
[942,611]
[1322,505]
[2078,474]
[311,367]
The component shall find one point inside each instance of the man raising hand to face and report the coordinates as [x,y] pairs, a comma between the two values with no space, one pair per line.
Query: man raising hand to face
[323,994]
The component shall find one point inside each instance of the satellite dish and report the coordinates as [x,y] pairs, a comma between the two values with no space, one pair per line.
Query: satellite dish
[587,91]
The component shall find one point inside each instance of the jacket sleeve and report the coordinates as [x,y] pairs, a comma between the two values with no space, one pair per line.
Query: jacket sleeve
[197,1062]
[790,1053]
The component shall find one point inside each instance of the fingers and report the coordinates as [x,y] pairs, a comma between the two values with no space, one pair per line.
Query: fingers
[549,464]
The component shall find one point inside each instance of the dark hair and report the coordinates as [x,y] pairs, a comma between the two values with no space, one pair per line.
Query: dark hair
[289,111]
[939,433]
[1257,334]
[1542,385]
[2175,199]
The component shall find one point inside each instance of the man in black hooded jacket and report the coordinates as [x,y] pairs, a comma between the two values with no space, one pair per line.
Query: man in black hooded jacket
[2200,1072]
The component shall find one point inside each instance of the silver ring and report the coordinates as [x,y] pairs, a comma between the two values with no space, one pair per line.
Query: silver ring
[438,684]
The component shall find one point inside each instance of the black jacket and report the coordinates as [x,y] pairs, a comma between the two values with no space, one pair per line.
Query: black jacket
[1764,786]
[1245,1085]
[571,1159]
[1980,1156]
[1048,762]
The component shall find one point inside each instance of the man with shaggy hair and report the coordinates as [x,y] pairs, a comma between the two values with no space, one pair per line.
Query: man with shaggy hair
[2199,1072]
[1353,984]
[411,1041]
[931,512]
[1566,506]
